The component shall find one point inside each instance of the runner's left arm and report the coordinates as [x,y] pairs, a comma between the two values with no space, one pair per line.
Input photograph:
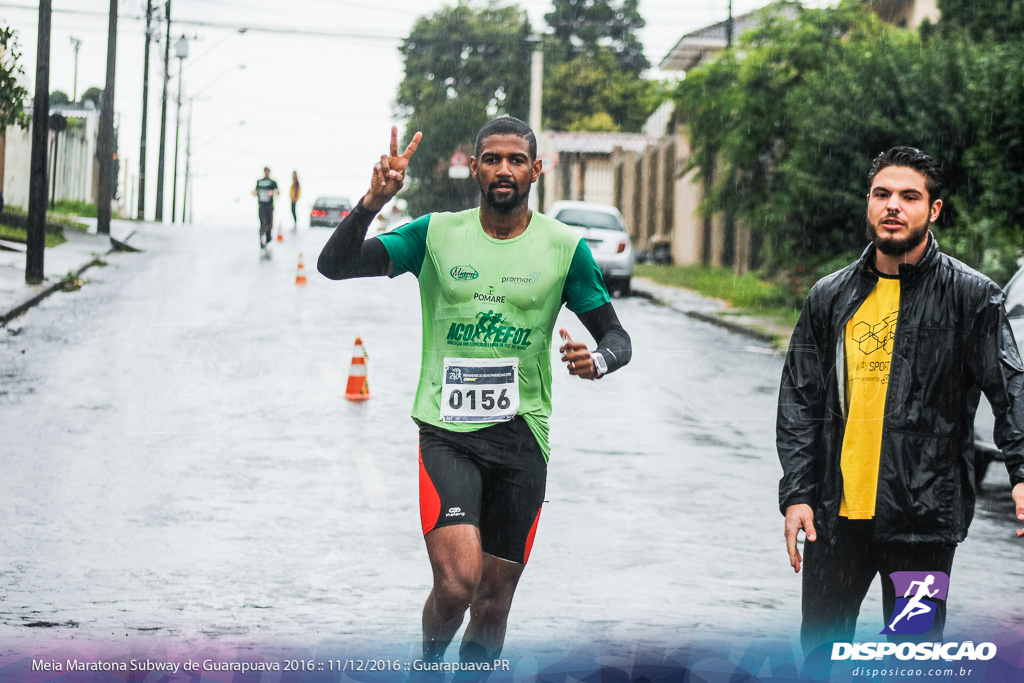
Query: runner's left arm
[349,254]
[613,342]
[586,295]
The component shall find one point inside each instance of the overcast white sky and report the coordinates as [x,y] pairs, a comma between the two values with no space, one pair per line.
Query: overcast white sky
[318,105]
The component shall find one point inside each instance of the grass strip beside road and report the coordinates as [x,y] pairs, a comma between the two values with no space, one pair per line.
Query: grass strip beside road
[744,293]
[64,220]
[73,208]
[9,232]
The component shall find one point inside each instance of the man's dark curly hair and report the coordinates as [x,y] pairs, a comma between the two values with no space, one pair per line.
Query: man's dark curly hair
[507,125]
[910,157]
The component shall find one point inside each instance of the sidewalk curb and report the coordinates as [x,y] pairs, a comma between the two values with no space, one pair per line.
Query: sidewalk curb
[778,341]
[39,296]
[115,246]
[752,332]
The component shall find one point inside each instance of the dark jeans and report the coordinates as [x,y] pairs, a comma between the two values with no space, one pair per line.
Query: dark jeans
[838,572]
[266,221]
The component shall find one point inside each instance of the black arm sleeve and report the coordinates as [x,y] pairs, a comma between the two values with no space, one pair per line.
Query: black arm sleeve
[349,254]
[612,341]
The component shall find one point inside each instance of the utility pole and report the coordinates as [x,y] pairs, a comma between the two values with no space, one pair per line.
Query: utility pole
[181,52]
[35,241]
[106,142]
[163,119]
[728,28]
[188,160]
[536,96]
[141,214]
[75,44]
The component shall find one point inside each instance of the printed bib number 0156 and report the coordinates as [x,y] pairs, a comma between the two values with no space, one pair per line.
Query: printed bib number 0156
[480,389]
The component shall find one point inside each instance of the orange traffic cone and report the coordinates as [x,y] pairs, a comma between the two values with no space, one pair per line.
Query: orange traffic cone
[280,237]
[357,389]
[300,273]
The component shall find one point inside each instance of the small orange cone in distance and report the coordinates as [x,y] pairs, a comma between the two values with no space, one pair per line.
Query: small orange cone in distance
[300,273]
[280,237]
[357,389]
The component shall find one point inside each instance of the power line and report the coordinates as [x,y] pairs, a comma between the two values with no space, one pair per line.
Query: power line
[255,28]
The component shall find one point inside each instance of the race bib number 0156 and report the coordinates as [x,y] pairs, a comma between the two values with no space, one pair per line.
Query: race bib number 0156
[480,389]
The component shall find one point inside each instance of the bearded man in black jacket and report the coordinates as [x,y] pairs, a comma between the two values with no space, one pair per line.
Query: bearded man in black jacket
[876,410]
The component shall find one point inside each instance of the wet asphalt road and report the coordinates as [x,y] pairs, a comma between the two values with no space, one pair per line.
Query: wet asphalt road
[180,471]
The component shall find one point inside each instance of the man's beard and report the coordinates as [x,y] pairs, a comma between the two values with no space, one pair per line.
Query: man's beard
[897,247]
[505,204]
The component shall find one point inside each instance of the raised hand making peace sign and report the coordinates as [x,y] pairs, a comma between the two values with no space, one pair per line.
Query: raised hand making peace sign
[389,172]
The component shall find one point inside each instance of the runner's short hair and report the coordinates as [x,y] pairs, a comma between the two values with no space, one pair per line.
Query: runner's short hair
[913,158]
[507,125]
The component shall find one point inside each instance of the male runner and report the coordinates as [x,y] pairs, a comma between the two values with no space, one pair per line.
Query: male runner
[492,281]
[266,190]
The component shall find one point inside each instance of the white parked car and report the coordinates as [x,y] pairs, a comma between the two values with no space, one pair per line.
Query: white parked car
[604,229]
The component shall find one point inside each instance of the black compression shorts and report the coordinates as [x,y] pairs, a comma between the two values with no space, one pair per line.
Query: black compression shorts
[492,478]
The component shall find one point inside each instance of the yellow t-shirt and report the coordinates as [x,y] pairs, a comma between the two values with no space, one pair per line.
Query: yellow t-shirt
[869,340]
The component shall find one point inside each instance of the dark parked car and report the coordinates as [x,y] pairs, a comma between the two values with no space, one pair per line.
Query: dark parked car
[327,212]
[984,423]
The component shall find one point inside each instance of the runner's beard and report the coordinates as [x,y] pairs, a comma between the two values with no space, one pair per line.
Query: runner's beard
[897,247]
[507,204]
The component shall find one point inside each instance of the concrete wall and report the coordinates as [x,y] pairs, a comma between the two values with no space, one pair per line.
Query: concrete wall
[687,225]
[661,205]
[659,202]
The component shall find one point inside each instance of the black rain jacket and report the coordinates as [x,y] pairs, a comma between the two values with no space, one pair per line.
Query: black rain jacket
[952,341]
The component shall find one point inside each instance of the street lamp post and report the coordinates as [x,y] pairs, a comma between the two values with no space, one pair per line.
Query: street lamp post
[75,44]
[181,52]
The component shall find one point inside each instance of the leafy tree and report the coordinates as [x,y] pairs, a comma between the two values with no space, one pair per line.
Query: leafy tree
[580,26]
[1002,20]
[591,93]
[890,90]
[783,131]
[94,95]
[992,225]
[737,109]
[463,66]
[59,97]
[12,94]
[593,62]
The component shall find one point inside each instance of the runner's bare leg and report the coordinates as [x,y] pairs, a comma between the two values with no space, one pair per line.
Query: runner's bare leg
[456,559]
[488,612]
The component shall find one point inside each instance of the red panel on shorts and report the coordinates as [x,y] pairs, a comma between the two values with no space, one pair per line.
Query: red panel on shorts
[529,539]
[430,502]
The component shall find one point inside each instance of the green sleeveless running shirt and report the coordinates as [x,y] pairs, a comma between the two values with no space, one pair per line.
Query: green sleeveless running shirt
[483,297]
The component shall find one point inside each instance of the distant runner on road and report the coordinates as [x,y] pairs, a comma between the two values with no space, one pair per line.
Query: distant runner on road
[266,190]
[492,281]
